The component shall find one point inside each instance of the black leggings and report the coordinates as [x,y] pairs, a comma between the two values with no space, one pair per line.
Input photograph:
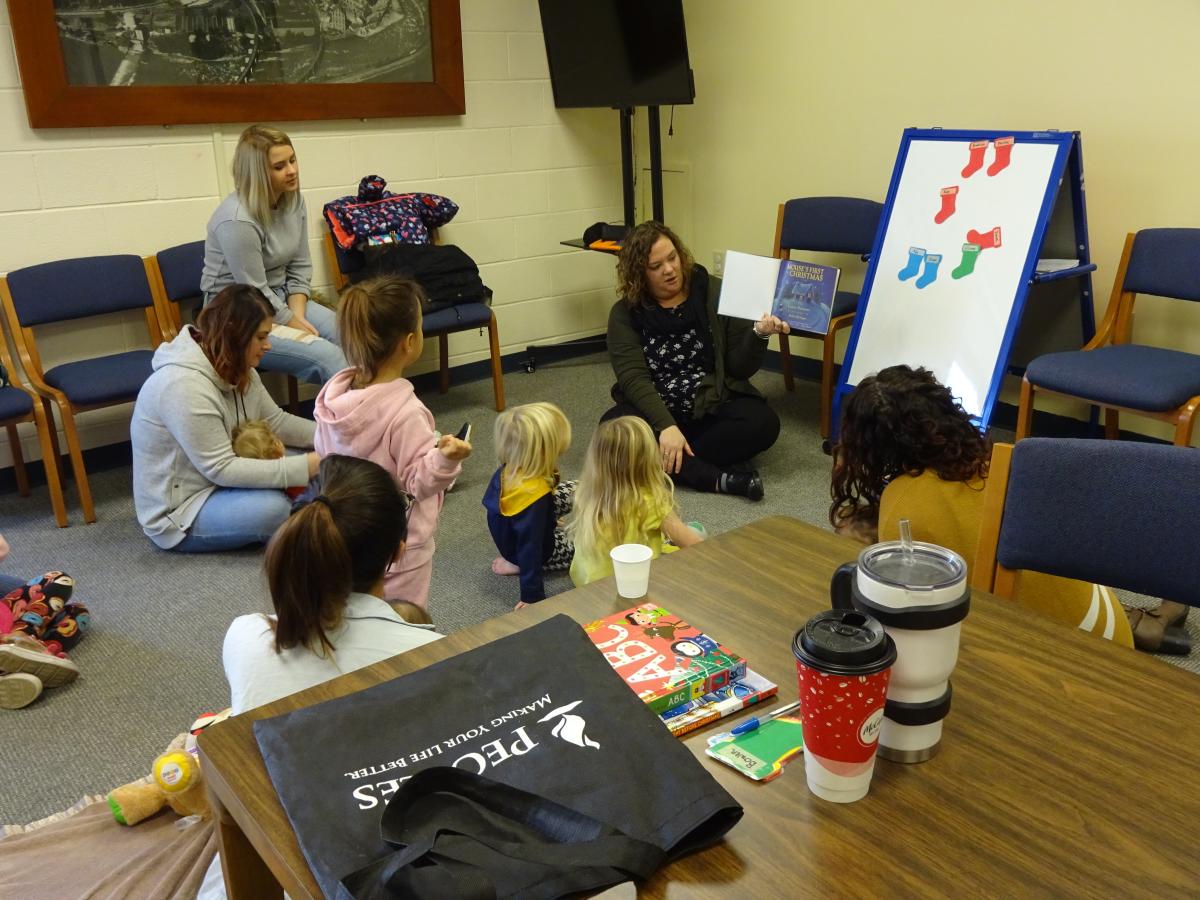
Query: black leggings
[734,432]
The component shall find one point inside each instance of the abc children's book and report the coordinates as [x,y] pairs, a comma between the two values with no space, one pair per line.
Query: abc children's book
[665,660]
[746,691]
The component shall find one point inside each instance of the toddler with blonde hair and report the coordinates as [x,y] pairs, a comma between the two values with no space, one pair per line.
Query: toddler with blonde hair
[526,497]
[624,497]
[255,440]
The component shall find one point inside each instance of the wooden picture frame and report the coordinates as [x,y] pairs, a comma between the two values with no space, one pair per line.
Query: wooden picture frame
[52,101]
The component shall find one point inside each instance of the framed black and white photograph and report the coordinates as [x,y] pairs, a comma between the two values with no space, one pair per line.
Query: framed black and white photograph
[134,62]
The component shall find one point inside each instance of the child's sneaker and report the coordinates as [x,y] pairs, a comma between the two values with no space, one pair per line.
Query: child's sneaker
[19,690]
[25,655]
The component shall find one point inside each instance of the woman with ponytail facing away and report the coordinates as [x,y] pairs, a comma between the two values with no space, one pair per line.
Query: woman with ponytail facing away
[325,568]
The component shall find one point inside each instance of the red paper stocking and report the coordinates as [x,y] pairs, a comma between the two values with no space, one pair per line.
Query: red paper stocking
[1004,147]
[949,197]
[986,240]
[978,148]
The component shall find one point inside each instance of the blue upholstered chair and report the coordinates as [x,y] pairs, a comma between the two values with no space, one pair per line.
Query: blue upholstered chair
[75,289]
[1111,371]
[17,405]
[175,278]
[825,225]
[442,323]
[1122,514]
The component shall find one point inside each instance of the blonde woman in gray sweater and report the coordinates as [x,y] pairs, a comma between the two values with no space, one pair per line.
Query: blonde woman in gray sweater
[259,236]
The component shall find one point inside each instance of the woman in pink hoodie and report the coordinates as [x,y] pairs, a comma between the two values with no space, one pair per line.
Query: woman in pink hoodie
[371,411]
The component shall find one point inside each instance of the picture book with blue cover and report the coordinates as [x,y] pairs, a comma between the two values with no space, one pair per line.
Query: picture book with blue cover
[801,293]
[804,295]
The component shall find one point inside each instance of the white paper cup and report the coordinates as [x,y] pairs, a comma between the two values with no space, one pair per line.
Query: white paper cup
[631,566]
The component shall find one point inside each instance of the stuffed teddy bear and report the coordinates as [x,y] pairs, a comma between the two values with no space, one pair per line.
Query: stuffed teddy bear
[175,782]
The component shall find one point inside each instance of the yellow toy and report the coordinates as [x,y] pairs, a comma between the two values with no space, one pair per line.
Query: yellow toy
[176,782]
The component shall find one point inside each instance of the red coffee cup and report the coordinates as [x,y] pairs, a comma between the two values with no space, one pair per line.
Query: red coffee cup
[843,663]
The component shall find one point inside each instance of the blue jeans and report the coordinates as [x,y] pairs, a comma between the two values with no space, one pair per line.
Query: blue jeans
[10,583]
[236,517]
[315,363]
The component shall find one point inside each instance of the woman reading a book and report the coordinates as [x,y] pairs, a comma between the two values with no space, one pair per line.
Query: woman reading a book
[685,369]
[190,490]
[259,236]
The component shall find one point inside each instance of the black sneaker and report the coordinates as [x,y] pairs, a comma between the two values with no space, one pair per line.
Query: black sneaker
[743,484]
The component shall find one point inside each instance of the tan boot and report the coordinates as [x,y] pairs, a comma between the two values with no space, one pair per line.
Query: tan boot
[1152,634]
[1173,612]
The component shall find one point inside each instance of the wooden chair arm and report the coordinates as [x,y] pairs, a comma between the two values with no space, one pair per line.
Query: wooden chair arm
[994,493]
[1117,325]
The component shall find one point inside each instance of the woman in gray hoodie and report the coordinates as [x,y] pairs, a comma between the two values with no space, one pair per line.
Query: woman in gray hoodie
[190,491]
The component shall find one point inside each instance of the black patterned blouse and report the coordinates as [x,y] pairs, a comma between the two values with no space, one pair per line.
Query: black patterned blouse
[677,364]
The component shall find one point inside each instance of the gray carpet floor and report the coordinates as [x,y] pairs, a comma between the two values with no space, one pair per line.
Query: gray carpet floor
[152,662]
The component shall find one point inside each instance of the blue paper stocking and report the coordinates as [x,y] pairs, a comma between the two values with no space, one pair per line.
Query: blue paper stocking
[915,256]
[932,261]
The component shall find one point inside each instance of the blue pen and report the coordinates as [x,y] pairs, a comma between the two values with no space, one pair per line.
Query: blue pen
[751,724]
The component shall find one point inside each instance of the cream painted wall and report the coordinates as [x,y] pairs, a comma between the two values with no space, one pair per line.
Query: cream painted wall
[524,174]
[797,98]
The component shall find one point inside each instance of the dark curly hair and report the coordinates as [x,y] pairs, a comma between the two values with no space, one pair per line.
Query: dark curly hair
[901,421]
[635,256]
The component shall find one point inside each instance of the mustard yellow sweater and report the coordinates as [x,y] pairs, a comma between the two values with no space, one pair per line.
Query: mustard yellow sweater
[950,514]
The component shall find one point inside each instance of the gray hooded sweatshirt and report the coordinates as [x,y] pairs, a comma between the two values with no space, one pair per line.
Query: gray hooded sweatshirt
[182,436]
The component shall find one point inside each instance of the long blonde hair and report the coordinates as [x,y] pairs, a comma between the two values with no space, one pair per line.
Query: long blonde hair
[373,317]
[251,177]
[623,494]
[530,439]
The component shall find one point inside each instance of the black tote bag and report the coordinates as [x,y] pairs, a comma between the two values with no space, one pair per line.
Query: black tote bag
[461,836]
[539,711]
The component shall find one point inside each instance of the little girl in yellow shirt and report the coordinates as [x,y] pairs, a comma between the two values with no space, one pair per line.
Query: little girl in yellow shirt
[624,497]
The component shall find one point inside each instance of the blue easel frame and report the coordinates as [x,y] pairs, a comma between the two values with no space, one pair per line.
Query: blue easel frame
[1068,152]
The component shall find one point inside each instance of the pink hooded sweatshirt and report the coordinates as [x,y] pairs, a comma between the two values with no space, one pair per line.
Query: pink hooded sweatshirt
[388,425]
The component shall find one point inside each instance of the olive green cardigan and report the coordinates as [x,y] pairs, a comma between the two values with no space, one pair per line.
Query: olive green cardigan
[738,352]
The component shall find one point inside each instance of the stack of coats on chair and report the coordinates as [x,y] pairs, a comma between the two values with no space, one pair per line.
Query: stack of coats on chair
[392,233]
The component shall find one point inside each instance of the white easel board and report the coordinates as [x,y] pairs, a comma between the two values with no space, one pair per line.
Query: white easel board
[930,298]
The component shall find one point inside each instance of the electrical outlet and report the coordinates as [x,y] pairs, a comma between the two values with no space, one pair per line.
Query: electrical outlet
[718,268]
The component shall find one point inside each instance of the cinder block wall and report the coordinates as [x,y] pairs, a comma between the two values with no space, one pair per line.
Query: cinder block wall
[525,175]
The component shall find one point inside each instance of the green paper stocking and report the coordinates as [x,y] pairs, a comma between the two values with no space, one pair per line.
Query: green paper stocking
[967,266]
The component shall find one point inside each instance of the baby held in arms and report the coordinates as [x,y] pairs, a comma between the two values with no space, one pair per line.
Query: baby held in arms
[256,440]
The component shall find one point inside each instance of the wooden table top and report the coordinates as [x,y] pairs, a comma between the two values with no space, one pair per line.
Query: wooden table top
[1068,766]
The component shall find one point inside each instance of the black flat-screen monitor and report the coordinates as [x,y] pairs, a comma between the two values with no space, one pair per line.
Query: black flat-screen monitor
[617,52]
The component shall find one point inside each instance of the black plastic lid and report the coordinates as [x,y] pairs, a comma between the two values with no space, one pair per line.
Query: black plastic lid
[844,642]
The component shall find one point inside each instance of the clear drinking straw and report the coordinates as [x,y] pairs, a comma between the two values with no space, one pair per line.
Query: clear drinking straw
[906,541]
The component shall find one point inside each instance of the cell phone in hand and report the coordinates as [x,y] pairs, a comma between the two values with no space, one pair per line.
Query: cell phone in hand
[464,433]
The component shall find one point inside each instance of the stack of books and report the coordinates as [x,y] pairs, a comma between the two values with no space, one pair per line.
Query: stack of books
[681,673]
